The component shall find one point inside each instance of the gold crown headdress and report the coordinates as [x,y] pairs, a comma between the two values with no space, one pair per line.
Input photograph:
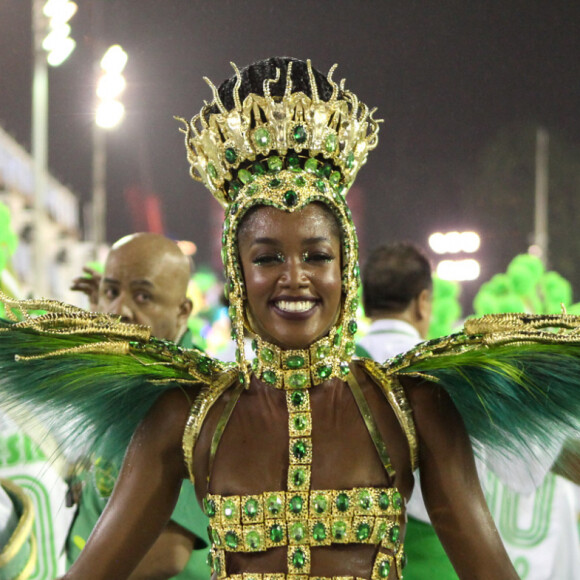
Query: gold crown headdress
[284,152]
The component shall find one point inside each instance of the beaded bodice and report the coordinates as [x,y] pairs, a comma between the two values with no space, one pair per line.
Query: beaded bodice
[296,502]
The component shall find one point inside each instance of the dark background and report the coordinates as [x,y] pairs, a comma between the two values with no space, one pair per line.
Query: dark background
[462,86]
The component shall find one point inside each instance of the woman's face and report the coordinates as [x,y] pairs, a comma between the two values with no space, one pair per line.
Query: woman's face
[292,270]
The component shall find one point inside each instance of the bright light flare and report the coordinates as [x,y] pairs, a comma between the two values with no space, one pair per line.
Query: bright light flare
[59,11]
[61,52]
[114,60]
[110,86]
[458,270]
[454,242]
[109,114]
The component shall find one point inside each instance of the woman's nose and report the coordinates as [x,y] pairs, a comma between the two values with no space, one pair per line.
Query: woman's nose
[294,274]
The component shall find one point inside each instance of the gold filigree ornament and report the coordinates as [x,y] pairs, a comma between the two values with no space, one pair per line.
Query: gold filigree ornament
[285,152]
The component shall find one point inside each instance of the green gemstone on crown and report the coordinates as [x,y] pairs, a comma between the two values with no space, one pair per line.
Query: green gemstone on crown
[319,532]
[262,137]
[252,189]
[324,371]
[267,355]
[299,134]
[296,504]
[384,569]
[320,185]
[232,540]
[258,168]
[352,327]
[245,176]
[298,532]
[299,449]
[275,164]
[276,533]
[300,181]
[335,177]
[293,160]
[320,504]
[211,170]
[274,183]
[204,365]
[384,500]
[297,398]
[295,361]
[311,165]
[363,532]
[330,143]
[253,540]
[350,160]
[274,505]
[231,155]
[251,508]
[290,198]
[299,558]
[342,502]
[269,377]
[339,530]
[326,170]
[298,380]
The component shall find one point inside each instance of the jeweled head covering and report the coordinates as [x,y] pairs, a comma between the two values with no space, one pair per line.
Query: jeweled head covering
[281,134]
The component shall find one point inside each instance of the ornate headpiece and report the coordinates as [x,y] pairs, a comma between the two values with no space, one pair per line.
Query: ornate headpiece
[285,152]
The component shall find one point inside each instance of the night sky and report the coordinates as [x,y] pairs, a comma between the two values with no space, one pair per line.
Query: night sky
[446,76]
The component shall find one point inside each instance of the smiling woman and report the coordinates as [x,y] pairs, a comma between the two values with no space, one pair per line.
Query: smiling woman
[304,458]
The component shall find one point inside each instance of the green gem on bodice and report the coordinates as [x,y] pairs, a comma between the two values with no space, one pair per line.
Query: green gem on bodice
[299,558]
[209,507]
[339,530]
[349,348]
[245,176]
[384,500]
[299,449]
[395,534]
[397,500]
[298,380]
[269,377]
[330,143]
[297,532]
[274,505]
[299,134]
[384,569]
[300,181]
[276,533]
[290,198]
[217,565]
[232,540]
[215,537]
[253,540]
[299,477]
[322,352]
[381,531]
[344,369]
[300,423]
[231,155]
[228,508]
[267,355]
[324,371]
[365,499]
[274,164]
[342,502]
[319,532]
[255,364]
[320,504]
[262,137]
[363,532]
[251,508]
[297,398]
[211,170]
[296,504]
[295,361]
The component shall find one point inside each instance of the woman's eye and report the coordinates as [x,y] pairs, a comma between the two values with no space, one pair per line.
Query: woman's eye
[318,257]
[266,259]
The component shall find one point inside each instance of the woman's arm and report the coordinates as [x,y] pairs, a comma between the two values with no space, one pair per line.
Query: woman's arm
[451,488]
[144,495]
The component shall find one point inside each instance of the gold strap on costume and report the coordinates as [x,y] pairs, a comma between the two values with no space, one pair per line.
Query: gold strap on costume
[21,535]
[370,423]
[397,398]
[221,426]
[199,410]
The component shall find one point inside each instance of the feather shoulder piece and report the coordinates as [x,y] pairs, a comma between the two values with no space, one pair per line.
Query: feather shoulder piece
[514,378]
[86,376]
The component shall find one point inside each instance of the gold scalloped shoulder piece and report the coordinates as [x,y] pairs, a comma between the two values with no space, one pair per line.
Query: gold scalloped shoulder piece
[341,130]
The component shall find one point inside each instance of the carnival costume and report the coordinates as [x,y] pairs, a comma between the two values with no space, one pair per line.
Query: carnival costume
[261,493]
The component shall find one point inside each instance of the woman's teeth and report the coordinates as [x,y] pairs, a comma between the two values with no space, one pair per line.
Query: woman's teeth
[295,306]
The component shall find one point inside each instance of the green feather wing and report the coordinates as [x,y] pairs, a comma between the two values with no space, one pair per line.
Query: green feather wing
[514,378]
[86,376]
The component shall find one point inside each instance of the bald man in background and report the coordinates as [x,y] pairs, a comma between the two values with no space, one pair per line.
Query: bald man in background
[145,282]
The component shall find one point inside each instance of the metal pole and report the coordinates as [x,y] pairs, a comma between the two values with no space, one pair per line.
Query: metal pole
[541,201]
[39,150]
[99,188]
